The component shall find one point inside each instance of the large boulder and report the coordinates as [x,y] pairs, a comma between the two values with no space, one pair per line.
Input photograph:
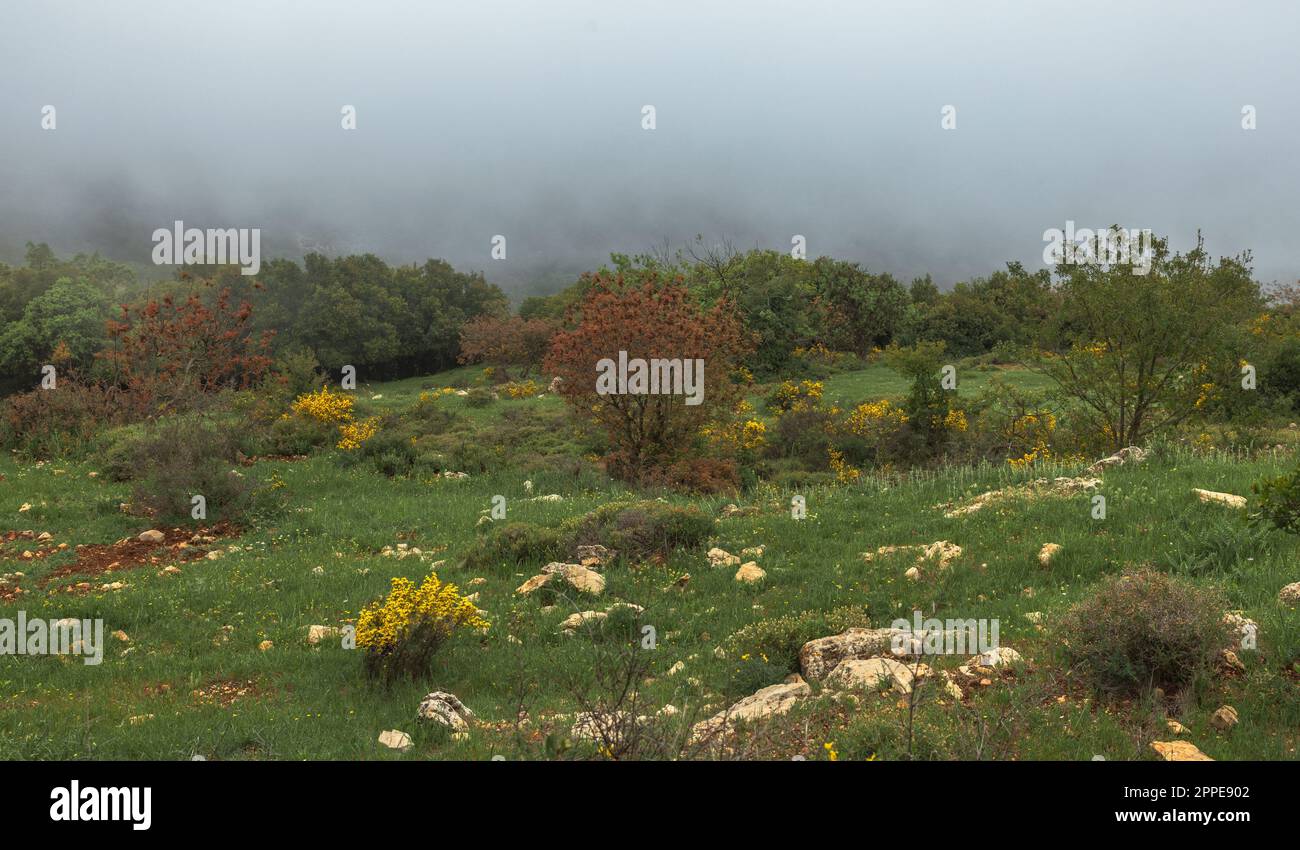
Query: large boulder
[868,674]
[767,702]
[446,709]
[576,576]
[820,656]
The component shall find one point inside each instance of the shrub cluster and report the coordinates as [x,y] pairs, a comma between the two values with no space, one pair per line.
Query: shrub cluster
[1144,630]
[401,633]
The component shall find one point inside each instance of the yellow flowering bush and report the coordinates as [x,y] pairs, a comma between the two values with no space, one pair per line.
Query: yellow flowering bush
[871,418]
[430,396]
[324,406]
[401,633]
[353,434]
[333,408]
[1033,433]
[737,437]
[956,421]
[805,395]
[845,472]
[819,354]
[521,389]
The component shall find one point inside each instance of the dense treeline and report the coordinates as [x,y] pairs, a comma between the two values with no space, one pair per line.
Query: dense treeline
[387,321]
[398,321]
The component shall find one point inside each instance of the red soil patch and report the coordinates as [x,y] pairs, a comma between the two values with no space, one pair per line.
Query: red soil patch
[178,545]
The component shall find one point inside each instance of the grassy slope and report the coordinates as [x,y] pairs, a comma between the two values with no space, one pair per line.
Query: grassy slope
[314,702]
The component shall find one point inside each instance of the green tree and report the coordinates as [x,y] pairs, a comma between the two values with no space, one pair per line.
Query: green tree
[857,311]
[69,316]
[1144,349]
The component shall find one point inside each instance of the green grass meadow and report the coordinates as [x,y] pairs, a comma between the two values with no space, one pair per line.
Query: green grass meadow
[192,680]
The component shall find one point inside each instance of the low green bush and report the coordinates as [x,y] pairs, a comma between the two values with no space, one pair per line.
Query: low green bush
[1144,630]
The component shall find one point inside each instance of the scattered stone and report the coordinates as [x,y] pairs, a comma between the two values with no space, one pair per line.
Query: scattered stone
[316,634]
[753,551]
[1221,498]
[941,550]
[447,709]
[1175,727]
[722,558]
[44,537]
[170,571]
[1047,553]
[1230,662]
[594,555]
[601,727]
[1290,595]
[912,574]
[217,553]
[265,645]
[395,739]
[1003,656]
[676,668]
[1130,454]
[1039,487]
[749,573]
[578,619]
[153,535]
[121,635]
[534,584]
[766,702]
[1243,626]
[1179,751]
[1224,718]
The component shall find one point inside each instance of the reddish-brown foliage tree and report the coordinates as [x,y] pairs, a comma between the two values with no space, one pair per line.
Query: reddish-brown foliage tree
[168,352]
[505,342]
[648,319]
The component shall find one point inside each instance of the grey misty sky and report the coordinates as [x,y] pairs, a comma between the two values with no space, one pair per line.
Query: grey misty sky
[774,119]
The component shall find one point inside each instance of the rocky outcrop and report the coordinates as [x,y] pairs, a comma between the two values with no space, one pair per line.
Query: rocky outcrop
[767,702]
[445,709]
[819,657]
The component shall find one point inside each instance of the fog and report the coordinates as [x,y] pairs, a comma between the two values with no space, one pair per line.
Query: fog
[772,119]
